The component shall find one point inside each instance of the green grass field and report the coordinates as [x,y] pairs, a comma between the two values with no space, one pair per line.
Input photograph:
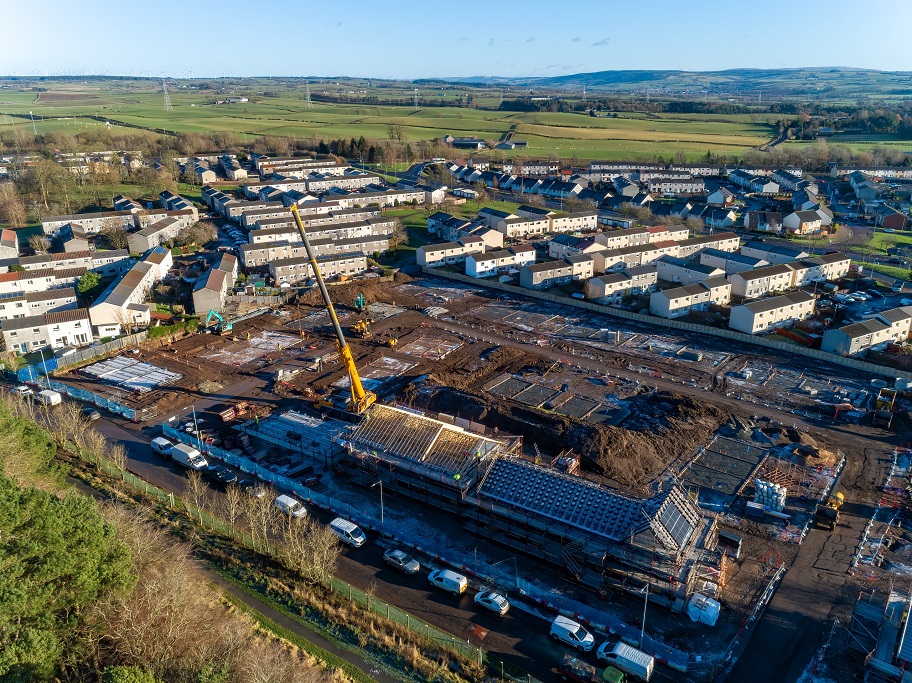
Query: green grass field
[564,135]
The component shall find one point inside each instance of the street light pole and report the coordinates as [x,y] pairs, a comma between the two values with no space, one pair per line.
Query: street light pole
[643,626]
[382,521]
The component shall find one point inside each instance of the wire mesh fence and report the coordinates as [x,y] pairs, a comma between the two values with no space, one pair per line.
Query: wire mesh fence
[403,618]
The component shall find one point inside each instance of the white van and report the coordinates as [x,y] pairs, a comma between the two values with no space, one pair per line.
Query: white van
[449,581]
[348,532]
[161,446]
[628,659]
[188,456]
[572,633]
[48,398]
[290,506]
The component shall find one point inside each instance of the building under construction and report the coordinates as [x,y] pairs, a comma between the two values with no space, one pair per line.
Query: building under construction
[596,536]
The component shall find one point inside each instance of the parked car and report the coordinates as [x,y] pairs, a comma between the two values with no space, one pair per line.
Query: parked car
[252,488]
[90,414]
[905,302]
[161,446]
[398,559]
[492,601]
[220,475]
[572,633]
[874,294]
[23,391]
[290,506]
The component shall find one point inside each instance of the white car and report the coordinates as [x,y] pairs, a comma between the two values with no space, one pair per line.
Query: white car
[23,391]
[398,559]
[494,602]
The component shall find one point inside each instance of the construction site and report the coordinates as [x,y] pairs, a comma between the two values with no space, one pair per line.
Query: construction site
[608,454]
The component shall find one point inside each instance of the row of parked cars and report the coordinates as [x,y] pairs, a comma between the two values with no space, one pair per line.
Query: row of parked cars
[563,629]
[619,657]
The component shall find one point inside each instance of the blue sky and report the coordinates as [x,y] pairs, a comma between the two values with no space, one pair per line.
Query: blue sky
[423,39]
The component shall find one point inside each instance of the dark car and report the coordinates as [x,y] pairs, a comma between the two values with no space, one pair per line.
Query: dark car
[221,475]
[252,488]
[90,414]
[874,293]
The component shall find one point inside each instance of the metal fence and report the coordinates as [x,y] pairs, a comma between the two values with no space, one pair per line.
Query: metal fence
[99,400]
[403,618]
[101,349]
[256,299]
[677,325]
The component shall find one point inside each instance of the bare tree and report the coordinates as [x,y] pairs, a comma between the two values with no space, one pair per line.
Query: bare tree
[200,233]
[39,243]
[261,516]
[127,323]
[118,455]
[395,132]
[398,236]
[231,505]
[12,208]
[197,493]
[115,233]
[311,549]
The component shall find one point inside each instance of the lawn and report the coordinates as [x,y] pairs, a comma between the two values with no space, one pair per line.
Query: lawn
[890,271]
[566,135]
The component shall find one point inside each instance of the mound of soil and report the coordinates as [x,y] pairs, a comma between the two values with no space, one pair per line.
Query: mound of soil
[662,426]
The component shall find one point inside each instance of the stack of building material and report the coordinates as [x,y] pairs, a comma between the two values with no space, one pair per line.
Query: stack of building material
[771,496]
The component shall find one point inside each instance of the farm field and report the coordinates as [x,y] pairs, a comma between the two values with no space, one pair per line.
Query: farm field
[560,134]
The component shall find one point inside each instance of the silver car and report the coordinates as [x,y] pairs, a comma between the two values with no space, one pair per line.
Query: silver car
[494,602]
[397,559]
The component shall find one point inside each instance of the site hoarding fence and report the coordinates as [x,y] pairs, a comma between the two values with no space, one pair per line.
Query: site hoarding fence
[339,586]
[668,323]
[98,400]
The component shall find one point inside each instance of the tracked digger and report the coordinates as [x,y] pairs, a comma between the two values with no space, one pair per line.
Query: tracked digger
[360,399]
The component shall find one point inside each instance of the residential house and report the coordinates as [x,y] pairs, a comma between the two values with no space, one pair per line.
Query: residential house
[445,254]
[48,330]
[671,187]
[884,216]
[165,230]
[534,212]
[752,284]
[563,245]
[678,270]
[517,227]
[766,221]
[492,263]
[613,287]
[494,217]
[805,200]
[291,271]
[889,326]
[802,223]
[203,173]
[91,223]
[773,253]
[625,187]
[729,262]
[681,301]
[9,244]
[37,303]
[724,241]
[765,315]
[551,273]
[721,197]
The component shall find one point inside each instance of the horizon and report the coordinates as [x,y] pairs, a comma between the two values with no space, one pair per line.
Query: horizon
[421,42]
[464,79]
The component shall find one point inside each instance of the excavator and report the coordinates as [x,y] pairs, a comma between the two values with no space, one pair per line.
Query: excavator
[361,399]
[221,327]
[361,328]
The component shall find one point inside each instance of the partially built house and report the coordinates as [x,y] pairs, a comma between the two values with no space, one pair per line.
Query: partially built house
[880,630]
[597,536]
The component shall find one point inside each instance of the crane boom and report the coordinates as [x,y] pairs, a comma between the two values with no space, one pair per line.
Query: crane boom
[360,399]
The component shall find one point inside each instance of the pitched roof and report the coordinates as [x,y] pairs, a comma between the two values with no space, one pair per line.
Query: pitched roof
[776,302]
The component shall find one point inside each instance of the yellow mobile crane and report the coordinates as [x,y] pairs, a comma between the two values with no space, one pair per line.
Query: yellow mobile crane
[360,400]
